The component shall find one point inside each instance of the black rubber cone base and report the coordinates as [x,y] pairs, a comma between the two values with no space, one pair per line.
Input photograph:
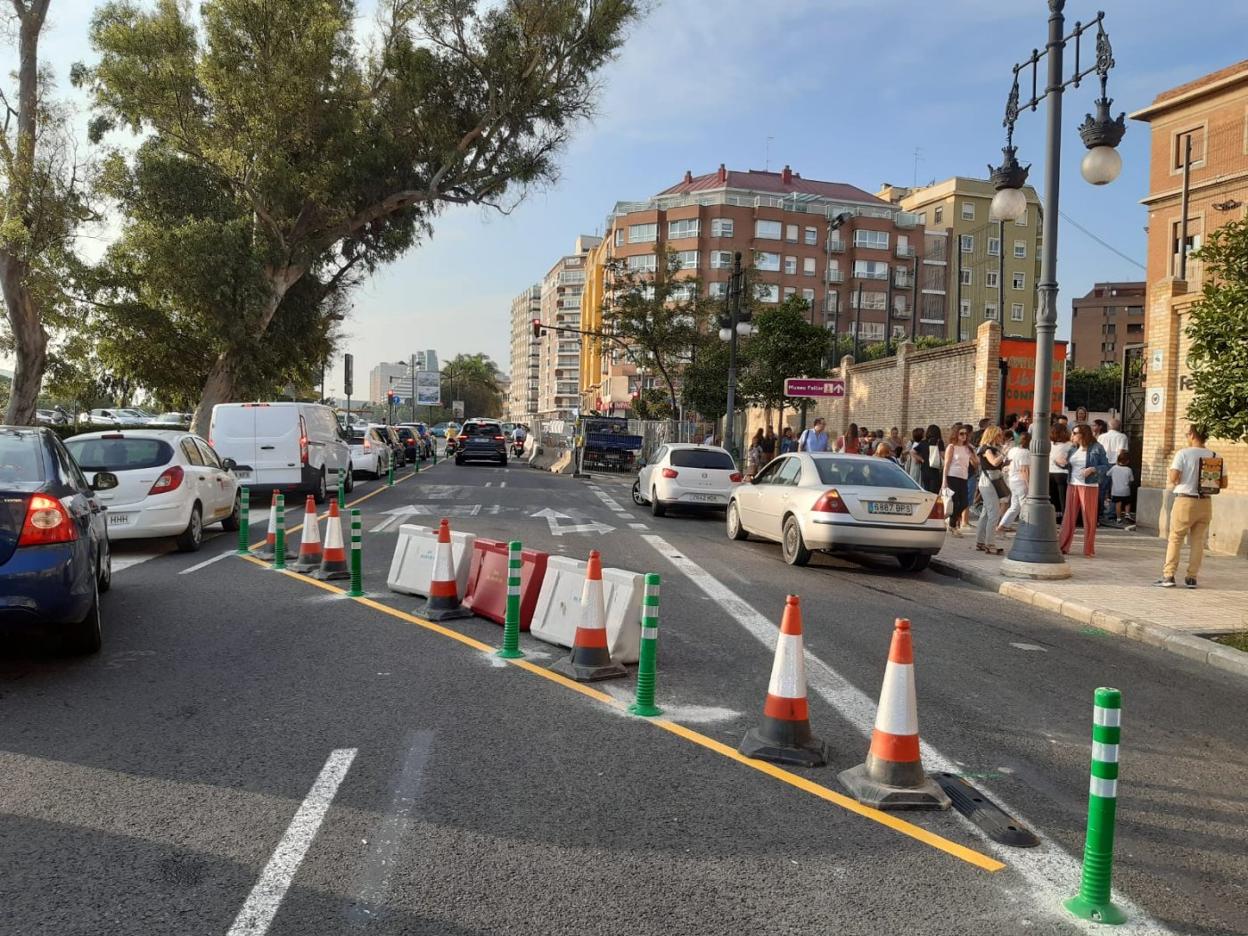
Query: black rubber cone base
[583,673]
[267,554]
[307,566]
[444,614]
[809,753]
[869,792]
[332,575]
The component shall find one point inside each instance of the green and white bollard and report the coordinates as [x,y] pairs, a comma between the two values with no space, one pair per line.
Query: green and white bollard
[1093,900]
[647,660]
[511,620]
[244,522]
[357,558]
[279,541]
[342,492]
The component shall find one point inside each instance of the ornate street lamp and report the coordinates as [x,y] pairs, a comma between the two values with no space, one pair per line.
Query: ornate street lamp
[1034,553]
[733,323]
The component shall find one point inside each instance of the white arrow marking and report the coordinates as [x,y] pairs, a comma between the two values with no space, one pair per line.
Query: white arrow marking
[553,517]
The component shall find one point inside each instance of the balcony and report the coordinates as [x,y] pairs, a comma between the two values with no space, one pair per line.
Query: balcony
[905,250]
[836,246]
[903,280]
[906,219]
[835,276]
[871,274]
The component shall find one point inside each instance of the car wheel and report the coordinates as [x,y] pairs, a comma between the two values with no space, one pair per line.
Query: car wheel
[458,460]
[104,570]
[792,544]
[190,539]
[657,507]
[83,637]
[733,523]
[348,484]
[321,491]
[913,562]
[230,524]
[503,462]
[637,498]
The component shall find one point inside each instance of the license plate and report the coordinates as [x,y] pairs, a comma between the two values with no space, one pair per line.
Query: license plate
[243,475]
[890,507]
[704,498]
[118,519]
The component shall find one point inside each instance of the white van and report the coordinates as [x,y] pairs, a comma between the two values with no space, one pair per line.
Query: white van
[291,447]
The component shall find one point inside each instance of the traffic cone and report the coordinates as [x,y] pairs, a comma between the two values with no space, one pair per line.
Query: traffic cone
[590,660]
[310,543]
[443,603]
[269,548]
[334,555]
[892,776]
[784,737]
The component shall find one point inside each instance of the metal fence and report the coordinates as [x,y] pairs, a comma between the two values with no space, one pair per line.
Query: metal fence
[558,436]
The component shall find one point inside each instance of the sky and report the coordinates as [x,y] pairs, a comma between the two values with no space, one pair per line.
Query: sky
[841,90]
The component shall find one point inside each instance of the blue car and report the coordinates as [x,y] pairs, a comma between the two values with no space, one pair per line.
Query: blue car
[54,556]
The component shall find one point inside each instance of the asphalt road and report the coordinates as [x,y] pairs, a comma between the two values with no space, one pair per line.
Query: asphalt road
[254,754]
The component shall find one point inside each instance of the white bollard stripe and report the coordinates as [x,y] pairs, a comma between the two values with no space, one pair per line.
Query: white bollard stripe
[1107,717]
[647,633]
[898,713]
[1105,753]
[1106,789]
[788,671]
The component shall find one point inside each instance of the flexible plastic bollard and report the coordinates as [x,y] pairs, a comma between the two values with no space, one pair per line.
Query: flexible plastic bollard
[390,475]
[244,522]
[647,662]
[342,492]
[279,540]
[511,623]
[357,562]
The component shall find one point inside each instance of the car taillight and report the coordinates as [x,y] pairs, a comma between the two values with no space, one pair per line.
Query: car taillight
[499,438]
[830,502]
[736,477]
[670,472]
[303,442]
[46,522]
[170,480]
[938,510]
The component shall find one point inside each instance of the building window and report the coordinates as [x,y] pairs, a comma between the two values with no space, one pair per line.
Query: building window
[809,296]
[688,259]
[767,292]
[642,233]
[790,291]
[808,266]
[831,301]
[939,215]
[689,227]
[1016,312]
[870,269]
[1195,231]
[682,292]
[994,246]
[968,211]
[869,300]
[721,227]
[1179,146]
[812,236]
[1021,220]
[990,311]
[992,279]
[790,233]
[643,263]
[790,266]
[900,308]
[764,260]
[877,240]
[1020,250]
[721,259]
[1020,281]
[964,308]
[968,243]
[769,230]
[619,237]
[717,290]
[923,218]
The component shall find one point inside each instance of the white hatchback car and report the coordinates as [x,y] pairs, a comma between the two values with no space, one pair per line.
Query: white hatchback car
[685,475]
[370,451]
[170,483]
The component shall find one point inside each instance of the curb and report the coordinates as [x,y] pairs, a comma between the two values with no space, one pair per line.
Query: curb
[1182,643]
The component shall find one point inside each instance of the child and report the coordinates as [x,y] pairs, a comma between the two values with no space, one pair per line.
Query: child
[1120,480]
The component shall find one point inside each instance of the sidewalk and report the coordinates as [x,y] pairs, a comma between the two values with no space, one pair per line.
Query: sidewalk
[1114,592]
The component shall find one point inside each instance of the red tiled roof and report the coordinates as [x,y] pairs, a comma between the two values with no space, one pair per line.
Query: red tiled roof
[774,183]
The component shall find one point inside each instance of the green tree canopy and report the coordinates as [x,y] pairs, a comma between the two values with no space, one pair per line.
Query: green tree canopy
[1098,389]
[1218,329]
[784,344]
[472,378]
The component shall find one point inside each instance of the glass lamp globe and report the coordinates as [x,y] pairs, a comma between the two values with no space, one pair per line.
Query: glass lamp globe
[744,329]
[725,334]
[1008,204]
[1101,165]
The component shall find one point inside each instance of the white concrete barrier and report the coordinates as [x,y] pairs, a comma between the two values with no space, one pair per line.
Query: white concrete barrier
[558,608]
[411,569]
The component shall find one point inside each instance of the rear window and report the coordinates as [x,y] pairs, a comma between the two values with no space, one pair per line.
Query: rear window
[405,434]
[702,458]
[357,435]
[20,458]
[877,472]
[119,454]
[483,429]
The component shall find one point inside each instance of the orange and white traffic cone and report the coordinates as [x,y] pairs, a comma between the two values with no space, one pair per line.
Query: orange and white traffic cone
[892,776]
[443,603]
[334,555]
[268,549]
[590,659]
[310,543]
[784,736]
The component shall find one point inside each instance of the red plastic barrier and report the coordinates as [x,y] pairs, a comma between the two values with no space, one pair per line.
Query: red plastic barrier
[487,581]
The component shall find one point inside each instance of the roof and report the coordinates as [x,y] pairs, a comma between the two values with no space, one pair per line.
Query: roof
[779,183]
[1192,89]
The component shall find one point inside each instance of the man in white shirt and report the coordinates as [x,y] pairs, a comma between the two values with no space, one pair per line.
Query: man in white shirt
[816,439]
[1113,440]
[1191,512]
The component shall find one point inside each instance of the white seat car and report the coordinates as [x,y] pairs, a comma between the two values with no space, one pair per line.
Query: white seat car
[169,483]
[370,451]
[685,475]
[820,501]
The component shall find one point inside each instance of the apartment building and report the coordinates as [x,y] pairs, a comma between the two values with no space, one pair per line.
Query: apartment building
[1104,322]
[559,353]
[525,356]
[397,376]
[990,269]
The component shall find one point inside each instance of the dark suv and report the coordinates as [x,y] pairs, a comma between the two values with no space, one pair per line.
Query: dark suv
[481,441]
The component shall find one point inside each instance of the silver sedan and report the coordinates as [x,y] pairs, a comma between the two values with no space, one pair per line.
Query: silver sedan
[818,501]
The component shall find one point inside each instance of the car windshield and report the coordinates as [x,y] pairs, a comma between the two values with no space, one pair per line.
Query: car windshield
[702,458]
[119,454]
[19,458]
[863,472]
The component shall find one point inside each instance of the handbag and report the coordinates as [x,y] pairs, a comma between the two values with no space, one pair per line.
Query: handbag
[998,482]
[934,458]
[946,499]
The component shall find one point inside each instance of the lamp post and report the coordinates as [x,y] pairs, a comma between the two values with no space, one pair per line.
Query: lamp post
[733,323]
[1035,552]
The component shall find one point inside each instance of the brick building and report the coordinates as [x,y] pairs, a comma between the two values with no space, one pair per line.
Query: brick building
[1212,113]
[525,355]
[1106,320]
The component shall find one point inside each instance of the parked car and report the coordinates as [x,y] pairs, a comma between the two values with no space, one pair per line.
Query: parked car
[825,502]
[439,429]
[100,417]
[178,420]
[134,417]
[54,556]
[687,476]
[479,440]
[51,417]
[398,451]
[291,447]
[169,483]
[370,452]
[426,436]
[416,445]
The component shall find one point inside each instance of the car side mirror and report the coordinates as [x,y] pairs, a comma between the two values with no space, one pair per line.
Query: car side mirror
[104,481]
[229,464]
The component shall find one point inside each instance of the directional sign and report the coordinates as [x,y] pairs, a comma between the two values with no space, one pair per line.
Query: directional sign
[814,387]
[553,517]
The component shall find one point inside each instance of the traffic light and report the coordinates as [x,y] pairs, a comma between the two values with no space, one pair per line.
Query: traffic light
[538,331]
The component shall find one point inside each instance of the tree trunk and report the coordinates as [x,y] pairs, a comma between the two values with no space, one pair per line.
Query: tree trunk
[29,337]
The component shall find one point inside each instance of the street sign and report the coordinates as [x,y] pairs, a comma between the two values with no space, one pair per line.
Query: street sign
[398,401]
[457,408]
[814,387]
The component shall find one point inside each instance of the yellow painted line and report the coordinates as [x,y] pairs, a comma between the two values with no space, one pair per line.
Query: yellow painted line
[918,833]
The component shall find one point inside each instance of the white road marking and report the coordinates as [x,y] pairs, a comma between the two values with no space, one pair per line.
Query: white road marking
[1050,872]
[638,526]
[1027,646]
[265,898]
[502,484]
[553,517]
[206,562]
[397,515]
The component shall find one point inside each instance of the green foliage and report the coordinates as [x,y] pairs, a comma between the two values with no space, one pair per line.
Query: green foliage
[472,378]
[652,404]
[785,344]
[1218,329]
[704,384]
[1098,390]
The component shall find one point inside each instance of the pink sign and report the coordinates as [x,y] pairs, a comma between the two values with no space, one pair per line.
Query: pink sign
[814,387]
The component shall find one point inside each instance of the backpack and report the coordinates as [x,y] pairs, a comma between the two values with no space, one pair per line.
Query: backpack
[1209,476]
[934,457]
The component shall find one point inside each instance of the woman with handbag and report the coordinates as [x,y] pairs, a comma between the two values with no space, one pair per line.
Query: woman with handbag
[1085,465]
[1018,477]
[930,454]
[992,489]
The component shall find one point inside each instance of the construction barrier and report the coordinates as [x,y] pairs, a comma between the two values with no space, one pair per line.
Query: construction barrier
[558,609]
[487,581]
[411,568]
